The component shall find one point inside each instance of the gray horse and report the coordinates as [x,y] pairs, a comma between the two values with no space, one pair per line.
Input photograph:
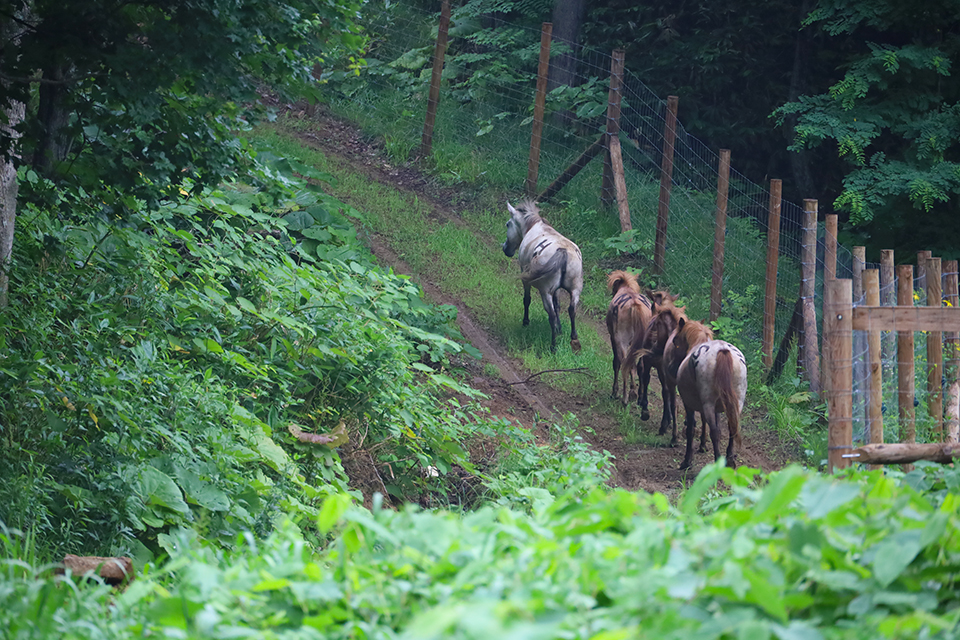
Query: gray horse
[549,262]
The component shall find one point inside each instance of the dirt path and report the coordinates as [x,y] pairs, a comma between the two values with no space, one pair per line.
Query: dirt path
[637,466]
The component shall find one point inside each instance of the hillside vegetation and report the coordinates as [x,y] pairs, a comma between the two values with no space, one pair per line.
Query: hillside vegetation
[202,368]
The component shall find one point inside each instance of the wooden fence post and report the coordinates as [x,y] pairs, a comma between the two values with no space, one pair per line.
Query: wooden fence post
[888,298]
[859,264]
[426,142]
[837,356]
[773,252]
[922,257]
[830,247]
[543,71]
[935,351]
[871,288]
[607,192]
[719,235]
[666,183]
[810,352]
[905,364]
[953,358]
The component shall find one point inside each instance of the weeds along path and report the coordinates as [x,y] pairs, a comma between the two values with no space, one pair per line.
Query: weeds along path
[642,460]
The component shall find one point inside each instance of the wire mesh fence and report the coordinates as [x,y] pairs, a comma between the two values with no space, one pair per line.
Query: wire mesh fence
[485,112]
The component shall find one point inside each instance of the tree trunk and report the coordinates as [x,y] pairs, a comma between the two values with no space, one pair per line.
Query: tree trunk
[799,160]
[567,18]
[14,112]
[53,145]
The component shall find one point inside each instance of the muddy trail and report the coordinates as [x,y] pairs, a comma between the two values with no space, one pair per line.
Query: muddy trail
[514,395]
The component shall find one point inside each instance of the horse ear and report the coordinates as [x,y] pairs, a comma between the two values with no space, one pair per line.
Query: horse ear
[681,323]
[511,209]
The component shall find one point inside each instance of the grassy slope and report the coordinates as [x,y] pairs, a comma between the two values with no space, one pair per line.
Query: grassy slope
[464,258]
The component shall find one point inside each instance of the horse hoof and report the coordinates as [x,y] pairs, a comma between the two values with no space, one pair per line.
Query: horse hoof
[673,442]
[732,463]
[702,449]
[662,431]
[575,345]
[644,415]
[685,465]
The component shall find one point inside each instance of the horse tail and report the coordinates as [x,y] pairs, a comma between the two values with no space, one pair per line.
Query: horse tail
[558,262]
[723,381]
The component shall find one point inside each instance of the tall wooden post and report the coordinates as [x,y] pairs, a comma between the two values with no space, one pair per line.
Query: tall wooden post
[905,364]
[607,192]
[719,235]
[871,289]
[837,356]
[810,351]
[543,71]
[859,264]
[860,380]
[666,183]
[439,50]
[830,247]
[952,403]
[935,351]
[922,257]
[888,298]
[773,253]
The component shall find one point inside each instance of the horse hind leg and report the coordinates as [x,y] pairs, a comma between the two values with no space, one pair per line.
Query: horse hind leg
[572,312]
[526,304]
[709,414]
[703,436]
[643,372]
[690,424]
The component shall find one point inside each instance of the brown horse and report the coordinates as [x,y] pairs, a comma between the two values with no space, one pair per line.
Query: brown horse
[628,315]
[686,336]
[647,349]
[712,379]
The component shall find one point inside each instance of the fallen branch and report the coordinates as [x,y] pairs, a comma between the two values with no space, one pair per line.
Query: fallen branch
[334,439]
[902,453]
[582,370]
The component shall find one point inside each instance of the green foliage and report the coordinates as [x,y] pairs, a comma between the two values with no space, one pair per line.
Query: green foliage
[789,555]
[151,379]
[119,129]
[894,114]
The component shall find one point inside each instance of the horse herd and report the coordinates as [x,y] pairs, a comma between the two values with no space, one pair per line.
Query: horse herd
[647,331]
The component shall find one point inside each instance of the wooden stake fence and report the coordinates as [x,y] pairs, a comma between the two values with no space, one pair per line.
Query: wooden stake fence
[935,351]
[952,408]
[837,357]
[874,371]
[809,352]
[607,190]
[426,142]
[888,298]
[666,183]
[533,166]
[719,235]
[773,253]
[841,319]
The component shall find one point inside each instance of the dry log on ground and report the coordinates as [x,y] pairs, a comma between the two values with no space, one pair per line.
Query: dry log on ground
[905,452]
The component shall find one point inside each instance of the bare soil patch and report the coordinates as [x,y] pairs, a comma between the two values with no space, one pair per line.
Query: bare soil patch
[530,403]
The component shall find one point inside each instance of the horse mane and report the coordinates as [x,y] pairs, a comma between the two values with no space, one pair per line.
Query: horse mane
[693,333]
[619,279]
[530,214]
